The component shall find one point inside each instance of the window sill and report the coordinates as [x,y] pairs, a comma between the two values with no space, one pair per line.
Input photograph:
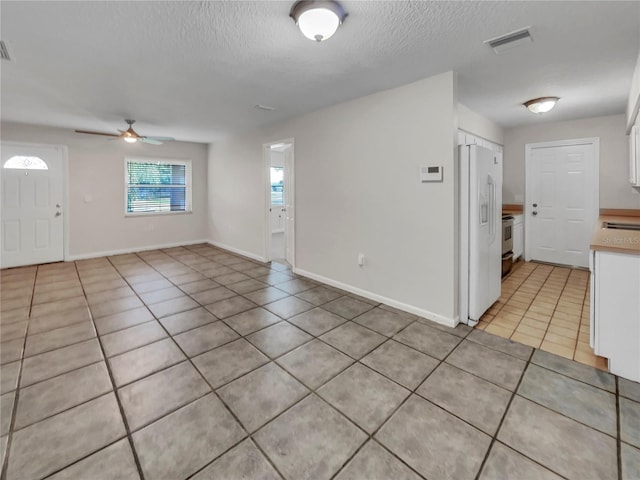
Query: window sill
[154,214]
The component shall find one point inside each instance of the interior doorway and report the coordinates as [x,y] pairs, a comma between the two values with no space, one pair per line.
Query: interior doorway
[33,190]
[280,229]
[561,200]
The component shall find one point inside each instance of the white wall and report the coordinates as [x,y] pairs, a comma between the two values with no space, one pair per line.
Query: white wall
[615,190]
[633,103]
[471,122]
[96,168]
[357,190]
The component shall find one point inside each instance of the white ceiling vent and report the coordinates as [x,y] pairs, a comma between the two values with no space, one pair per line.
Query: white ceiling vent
[4,51]
[511,40]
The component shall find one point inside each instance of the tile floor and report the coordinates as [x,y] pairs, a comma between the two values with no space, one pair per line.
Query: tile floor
[546,307]
[196,363]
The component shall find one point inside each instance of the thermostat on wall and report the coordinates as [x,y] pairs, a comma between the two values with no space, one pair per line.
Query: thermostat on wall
[430,174]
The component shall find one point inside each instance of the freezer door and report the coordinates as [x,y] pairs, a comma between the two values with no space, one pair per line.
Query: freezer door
[485,241]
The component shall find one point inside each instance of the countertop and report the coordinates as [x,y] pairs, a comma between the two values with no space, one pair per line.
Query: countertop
[619,241]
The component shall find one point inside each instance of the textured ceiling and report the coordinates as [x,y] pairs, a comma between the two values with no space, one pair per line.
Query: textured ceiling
[195,70]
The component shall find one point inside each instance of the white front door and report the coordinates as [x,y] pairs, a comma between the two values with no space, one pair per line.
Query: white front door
[561,207]
[32,193]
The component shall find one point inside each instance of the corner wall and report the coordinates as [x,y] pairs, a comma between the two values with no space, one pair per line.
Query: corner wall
[96,169]
[615,189]
[357,190]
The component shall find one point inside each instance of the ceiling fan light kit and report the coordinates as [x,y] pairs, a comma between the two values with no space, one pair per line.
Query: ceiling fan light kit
[541,105]
[131,136]
[318,20]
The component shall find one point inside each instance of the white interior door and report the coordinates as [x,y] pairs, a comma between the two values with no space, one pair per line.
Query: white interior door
[561,207]
[32,194]
[289,201]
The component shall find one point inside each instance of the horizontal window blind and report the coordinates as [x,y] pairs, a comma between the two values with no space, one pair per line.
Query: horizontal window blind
[158,187]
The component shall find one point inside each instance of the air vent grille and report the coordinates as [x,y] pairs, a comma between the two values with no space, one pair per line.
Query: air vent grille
[4,51]
[510,40]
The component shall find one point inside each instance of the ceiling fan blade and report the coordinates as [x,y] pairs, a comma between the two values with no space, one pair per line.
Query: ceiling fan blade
[150,141]
[98,133]
[162,139]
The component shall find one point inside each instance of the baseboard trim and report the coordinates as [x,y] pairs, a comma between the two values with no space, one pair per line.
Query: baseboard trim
[237,250]
[449,322]
[122,251]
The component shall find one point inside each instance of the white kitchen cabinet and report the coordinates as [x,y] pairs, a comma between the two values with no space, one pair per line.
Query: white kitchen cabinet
[615,311]
[518,236]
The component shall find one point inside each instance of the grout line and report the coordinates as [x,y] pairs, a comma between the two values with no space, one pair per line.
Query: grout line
[618,436]
[494,437]
[16,397]
[313,391]
[213,391]
[115,392]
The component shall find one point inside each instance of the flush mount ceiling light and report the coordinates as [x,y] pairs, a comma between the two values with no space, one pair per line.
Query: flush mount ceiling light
[541,105]
[318,19]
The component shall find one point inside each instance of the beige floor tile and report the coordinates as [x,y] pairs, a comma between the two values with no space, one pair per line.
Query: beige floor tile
[526,339]
[499,330]
[560,340]
[562,331]
[530,331]
[560,350]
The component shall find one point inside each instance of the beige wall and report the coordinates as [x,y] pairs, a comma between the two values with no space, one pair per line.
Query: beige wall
[615,189]
[96,169]
[357,190]
[471,122]
[633,103]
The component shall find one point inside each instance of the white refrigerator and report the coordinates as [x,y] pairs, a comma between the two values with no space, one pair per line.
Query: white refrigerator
[480,191]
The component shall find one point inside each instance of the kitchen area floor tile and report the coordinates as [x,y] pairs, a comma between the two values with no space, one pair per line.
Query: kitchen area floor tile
[296,380]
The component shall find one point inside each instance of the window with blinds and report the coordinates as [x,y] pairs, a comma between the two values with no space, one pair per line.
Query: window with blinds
[162,186]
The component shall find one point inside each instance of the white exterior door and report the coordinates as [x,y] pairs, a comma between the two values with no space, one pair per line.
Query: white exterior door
[32,193]
[561,205]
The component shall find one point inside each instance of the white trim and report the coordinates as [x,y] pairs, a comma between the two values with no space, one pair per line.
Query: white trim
[237,250]
[595,143]
[449,322]
[121,251]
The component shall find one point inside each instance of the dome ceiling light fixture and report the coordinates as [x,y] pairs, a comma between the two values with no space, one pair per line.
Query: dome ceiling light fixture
[541,105]
[318,19]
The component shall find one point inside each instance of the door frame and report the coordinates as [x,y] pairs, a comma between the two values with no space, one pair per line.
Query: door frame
[526,210]
[289,190]
[64,150]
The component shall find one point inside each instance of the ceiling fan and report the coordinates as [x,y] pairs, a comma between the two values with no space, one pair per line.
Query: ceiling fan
[131,136]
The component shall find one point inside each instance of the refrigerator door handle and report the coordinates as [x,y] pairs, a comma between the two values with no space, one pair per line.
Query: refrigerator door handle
[492,207]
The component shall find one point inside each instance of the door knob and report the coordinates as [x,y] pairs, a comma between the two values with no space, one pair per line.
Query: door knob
[535,205]
[58,205]
[58,214]
[534,213]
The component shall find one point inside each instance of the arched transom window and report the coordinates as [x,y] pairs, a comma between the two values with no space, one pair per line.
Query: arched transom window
[26,163]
